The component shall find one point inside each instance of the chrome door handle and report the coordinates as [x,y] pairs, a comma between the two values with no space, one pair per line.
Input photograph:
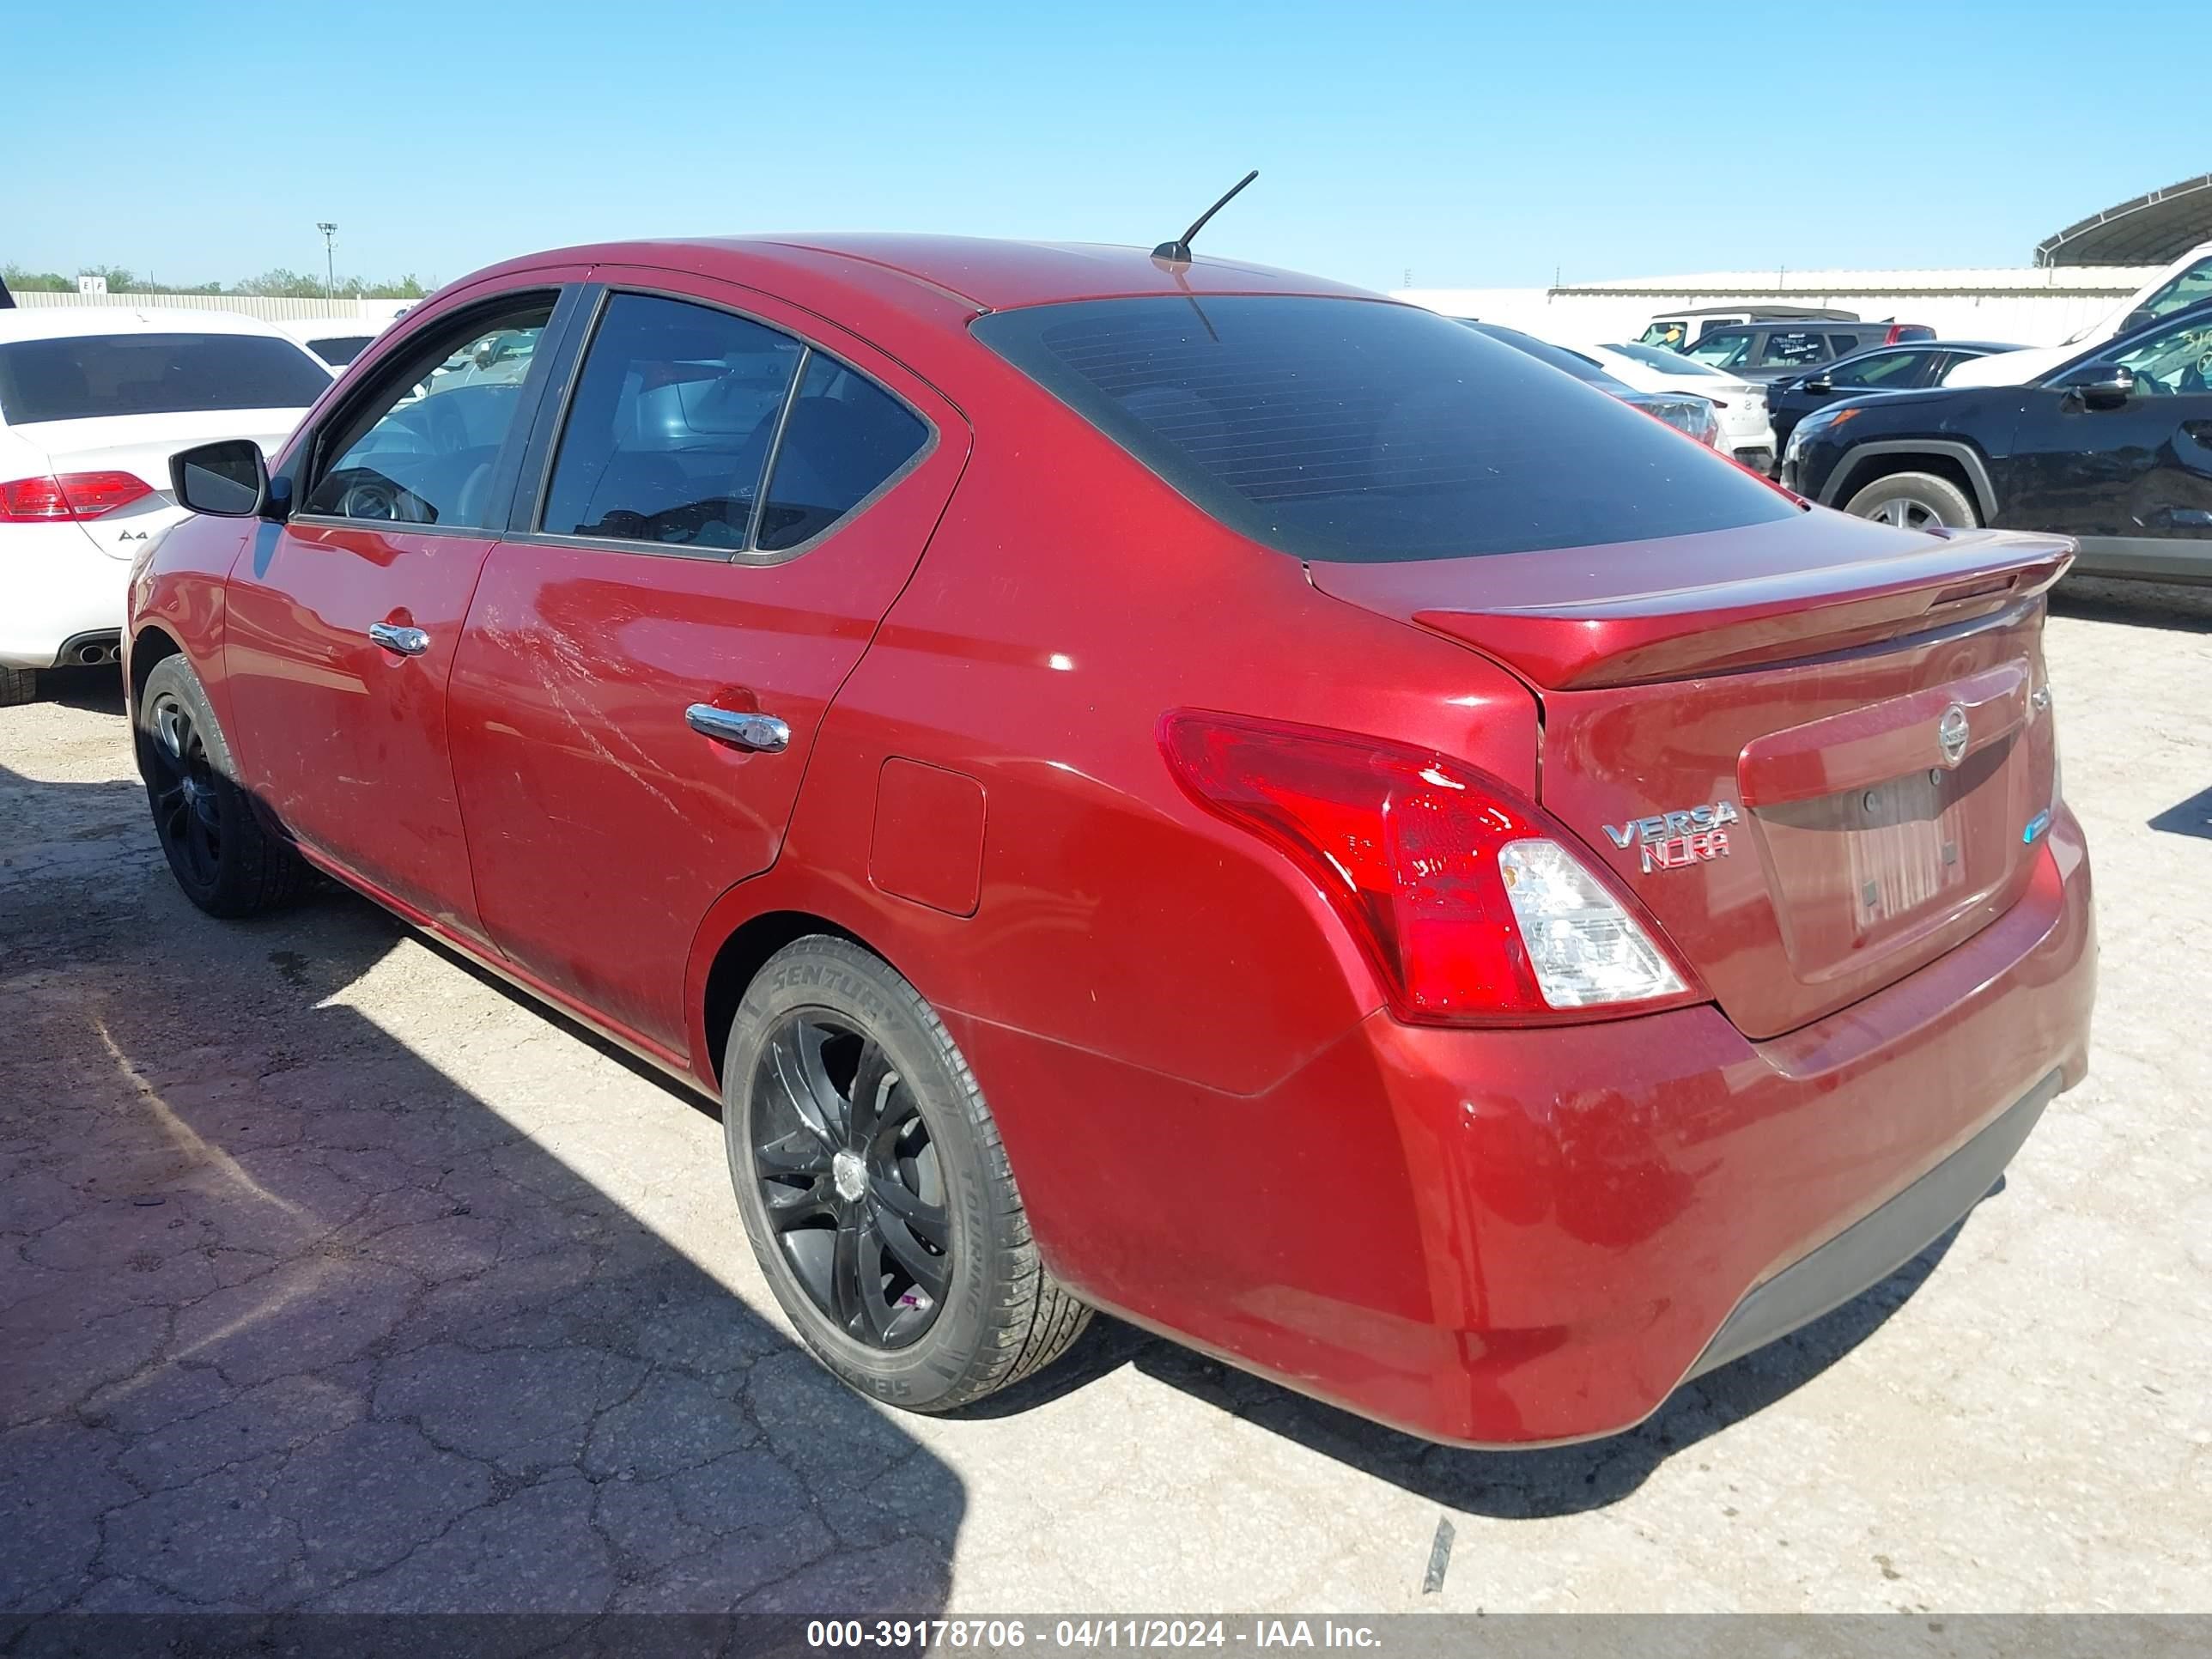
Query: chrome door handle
[407,641]
[763,733]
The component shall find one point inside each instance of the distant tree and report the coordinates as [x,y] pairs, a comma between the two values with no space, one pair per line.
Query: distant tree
[37,282]
[279,283]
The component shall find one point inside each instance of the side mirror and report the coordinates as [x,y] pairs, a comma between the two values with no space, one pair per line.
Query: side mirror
[228,480]
[1817,384]
[2110,386]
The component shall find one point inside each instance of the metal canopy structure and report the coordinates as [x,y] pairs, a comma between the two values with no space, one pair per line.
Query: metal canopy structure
[2154,229]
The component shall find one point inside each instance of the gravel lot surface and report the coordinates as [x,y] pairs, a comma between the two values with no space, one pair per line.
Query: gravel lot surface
[333,1275]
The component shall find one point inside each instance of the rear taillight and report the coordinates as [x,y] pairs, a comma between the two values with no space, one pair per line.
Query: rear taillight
[70,495]
[1463,895]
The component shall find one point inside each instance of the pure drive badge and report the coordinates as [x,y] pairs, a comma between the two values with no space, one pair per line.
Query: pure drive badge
[1669,841]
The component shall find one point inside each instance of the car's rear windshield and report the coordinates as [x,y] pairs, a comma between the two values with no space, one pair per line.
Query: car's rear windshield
[1567,362]
[339,349]
[1363,431]
[81,377]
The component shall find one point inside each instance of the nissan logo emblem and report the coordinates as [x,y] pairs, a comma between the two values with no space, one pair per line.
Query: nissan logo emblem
[1951,735]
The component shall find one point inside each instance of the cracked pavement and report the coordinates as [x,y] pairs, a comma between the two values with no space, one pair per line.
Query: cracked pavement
[334,1276]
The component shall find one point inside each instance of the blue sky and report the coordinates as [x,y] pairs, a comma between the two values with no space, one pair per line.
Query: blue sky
[1475,145]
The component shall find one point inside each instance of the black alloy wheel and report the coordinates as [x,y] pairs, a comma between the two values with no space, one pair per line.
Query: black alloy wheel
[875,1190]
[849,1178]
[225,856]
[187,815]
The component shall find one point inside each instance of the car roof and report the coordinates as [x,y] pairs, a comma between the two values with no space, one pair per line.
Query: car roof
[1808,325]
[302,328]
[67,322]
[979,272]
[1758,312]
[1992,347]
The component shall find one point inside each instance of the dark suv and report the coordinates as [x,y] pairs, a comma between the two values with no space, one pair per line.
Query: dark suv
[1791,398]
[1766,351]
[2113,447]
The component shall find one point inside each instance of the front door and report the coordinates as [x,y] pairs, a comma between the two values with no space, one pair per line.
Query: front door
[343,620]
[737,494]
[2135,482]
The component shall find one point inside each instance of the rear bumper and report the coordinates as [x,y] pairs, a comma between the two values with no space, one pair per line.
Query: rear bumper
[1876,1246]
[60,586]
[1525,1237]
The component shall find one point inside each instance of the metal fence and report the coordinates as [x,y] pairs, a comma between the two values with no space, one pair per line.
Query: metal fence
[378,312]
[2039,306]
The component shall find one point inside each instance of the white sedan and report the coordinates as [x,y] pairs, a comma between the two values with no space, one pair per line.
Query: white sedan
[336,340]
[94,400]
[1747,434]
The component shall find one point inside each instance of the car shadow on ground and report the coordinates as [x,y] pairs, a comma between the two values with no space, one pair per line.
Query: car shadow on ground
[2192,817]
[2175,606]
[97,689]
[290,1319]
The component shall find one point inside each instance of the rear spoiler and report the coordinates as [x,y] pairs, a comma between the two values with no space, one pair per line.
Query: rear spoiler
[1760,619]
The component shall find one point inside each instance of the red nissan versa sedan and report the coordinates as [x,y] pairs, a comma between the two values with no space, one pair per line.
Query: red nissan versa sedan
[1163,786]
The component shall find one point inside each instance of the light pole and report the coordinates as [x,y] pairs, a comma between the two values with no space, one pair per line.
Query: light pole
[330,258]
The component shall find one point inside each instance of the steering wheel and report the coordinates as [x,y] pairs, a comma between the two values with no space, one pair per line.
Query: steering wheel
[379,500]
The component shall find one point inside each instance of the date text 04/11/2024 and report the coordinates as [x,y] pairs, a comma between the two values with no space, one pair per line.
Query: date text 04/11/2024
[992,1635]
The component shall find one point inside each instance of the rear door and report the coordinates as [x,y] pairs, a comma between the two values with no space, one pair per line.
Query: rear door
[731,497]
[343,620]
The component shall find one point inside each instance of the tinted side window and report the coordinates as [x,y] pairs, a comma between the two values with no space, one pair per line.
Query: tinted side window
[845,438]
[1353,430]
[421,449]
[340,349]
[1886,368]
[1723,348]
[1787,349]
[80,377]
[670,426]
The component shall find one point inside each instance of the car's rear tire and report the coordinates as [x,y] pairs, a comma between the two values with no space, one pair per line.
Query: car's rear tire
[1914,500]
[874,1188]
[228,862]
[17,685]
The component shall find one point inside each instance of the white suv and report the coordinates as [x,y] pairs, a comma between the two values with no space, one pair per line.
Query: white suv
[94,400]
[2187,280]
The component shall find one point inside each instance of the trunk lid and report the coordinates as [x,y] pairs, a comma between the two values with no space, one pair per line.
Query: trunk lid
[141,445]
[1819,752]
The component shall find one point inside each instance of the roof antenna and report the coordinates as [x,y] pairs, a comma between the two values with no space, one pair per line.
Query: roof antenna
[1180,248]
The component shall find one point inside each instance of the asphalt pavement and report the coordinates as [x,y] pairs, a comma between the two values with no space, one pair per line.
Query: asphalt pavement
[334,1275]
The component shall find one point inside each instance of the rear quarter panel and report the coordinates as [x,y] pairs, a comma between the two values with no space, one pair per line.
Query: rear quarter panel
[1066,601]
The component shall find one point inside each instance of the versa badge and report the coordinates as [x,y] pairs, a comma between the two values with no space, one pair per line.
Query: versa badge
[1669,840]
